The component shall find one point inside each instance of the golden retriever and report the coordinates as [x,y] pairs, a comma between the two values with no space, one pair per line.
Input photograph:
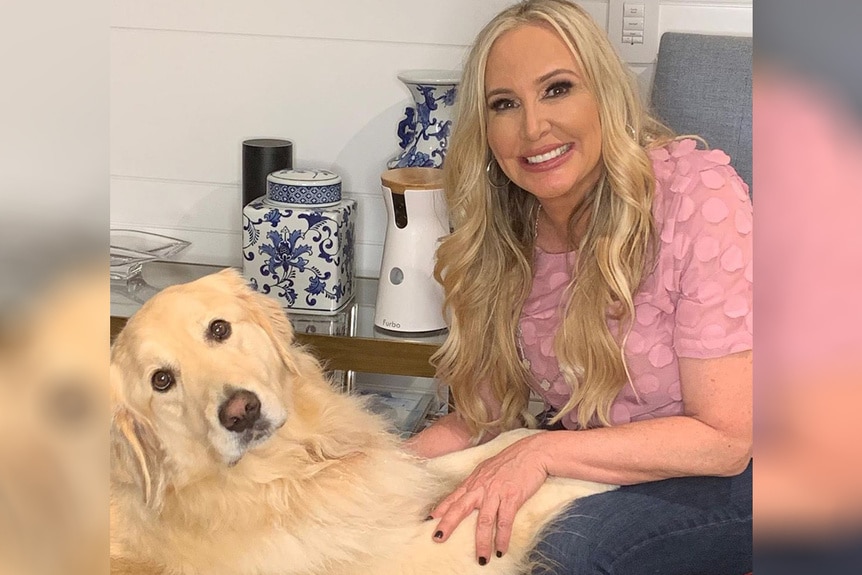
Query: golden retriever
[231,453]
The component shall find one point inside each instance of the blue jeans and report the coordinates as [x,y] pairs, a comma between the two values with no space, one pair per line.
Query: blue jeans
[682,526]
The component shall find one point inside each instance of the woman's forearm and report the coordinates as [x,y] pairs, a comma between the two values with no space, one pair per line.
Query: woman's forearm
[447,434]
[642,451]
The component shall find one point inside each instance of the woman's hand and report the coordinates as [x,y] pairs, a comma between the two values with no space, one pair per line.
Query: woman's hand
[498,487]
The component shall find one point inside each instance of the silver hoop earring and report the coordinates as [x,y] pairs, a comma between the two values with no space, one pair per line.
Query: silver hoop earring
[496,185]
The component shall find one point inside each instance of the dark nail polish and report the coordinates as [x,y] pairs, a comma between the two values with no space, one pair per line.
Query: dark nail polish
[499,553]
[429,518]
[438,535]
[482,560]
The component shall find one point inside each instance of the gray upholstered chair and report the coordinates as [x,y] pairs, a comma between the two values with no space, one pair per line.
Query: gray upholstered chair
[702,85]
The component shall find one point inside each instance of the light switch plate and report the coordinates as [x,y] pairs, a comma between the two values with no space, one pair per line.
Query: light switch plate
[634,53]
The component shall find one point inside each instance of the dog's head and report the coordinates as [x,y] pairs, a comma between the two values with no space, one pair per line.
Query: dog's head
[197,381]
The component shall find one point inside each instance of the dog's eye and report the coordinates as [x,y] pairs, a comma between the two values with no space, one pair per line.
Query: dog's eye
[219,330]
[162,380]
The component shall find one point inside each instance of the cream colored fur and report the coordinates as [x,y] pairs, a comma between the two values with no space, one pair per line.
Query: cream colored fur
[330,492]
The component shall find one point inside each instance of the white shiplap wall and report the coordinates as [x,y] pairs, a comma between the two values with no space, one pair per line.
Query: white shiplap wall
[191,80]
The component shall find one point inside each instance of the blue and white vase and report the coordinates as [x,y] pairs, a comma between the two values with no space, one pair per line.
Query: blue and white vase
[424,131]
[299,241]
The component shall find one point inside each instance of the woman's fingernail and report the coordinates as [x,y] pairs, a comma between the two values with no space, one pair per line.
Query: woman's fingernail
[438,535]
[482,560]
[429,518]
[499,553]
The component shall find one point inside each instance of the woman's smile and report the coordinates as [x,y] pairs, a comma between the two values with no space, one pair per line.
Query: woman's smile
[546,160]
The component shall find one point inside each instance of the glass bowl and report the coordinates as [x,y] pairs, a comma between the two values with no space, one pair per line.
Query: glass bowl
[130,249]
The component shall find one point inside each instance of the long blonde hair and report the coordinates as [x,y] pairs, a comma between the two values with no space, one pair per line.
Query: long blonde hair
[485,265]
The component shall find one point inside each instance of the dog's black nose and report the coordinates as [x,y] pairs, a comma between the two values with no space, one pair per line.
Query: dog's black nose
[239,411]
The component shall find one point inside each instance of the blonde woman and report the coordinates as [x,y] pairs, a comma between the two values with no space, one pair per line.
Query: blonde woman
[604,265]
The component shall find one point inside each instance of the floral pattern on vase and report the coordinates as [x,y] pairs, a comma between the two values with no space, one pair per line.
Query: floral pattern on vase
[301,256]
[423,133]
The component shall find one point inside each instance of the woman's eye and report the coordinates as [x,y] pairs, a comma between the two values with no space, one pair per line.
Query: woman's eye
[558,89]
[501,104]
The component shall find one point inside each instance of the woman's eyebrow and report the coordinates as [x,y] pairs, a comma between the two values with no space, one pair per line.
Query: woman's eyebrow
[497,91]
[545,77]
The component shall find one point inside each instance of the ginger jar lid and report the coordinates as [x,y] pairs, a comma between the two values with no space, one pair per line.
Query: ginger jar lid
[303,188]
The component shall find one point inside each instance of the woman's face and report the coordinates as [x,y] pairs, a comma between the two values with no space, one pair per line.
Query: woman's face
[543,122]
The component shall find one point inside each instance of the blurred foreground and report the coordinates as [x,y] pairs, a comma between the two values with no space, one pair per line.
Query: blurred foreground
[54,347]
[54,290]
[808,252]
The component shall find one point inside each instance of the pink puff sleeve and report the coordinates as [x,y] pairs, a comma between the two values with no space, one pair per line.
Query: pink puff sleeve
[709,216]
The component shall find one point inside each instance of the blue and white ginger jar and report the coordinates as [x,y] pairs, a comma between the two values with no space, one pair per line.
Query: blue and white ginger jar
[299,241]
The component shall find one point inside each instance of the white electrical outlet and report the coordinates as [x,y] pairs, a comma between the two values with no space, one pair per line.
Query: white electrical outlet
[633,29]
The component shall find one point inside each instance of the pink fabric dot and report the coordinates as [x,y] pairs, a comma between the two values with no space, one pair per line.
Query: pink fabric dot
[709,291]
[660,355]
[561,388]
[675,392]
[732,259]
[635,343]
[743,222]
[546,347]
[740,187]
[714,210]
[620,413]
[659,154]
[717,156]
[712,336]
[687,319]
[530,307]
[682,148]
[647,314]
[680,184]
[557,279]
[706,248]
[683,166]
[712,179]
[686,209]
[736,306]
[648,383]
[749,271]
[663,171]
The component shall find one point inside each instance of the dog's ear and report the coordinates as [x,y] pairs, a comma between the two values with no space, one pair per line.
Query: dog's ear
[137,455]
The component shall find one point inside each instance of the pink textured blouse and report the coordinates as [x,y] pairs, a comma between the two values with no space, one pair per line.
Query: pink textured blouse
[696,303]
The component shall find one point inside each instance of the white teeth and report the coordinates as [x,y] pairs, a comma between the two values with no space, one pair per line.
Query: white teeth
[548,155]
